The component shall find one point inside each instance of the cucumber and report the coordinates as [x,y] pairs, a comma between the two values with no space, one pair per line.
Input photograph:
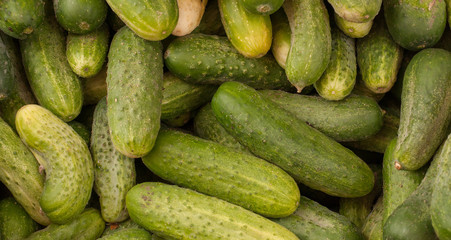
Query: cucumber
[54,84]
[180,213]
[415,24]
[140,16]
[372,227]
[353,29]
[425,108]
[281,37]
[80,16]
[133,233]
[339,78]
[263,7]
[7,68]
[114,173]
[249,33]
[208,59]
[311,41]
[95,88]
[115,227]
[190,15]
[135,66]
[81,130]
[64,156]
[88,225]
[19,19]
[86,53]
[314,221]
[211,21]
[352,118]
[15,223]
[273,134]
[356,10]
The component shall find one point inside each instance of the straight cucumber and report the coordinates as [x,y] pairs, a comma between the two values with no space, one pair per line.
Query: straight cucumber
[19,19]
[15,223]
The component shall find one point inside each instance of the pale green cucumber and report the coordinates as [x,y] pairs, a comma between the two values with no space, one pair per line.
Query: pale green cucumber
[356,10]
[353,29]
[281,37]
[190,15]
[15,223]
[95,88]
[372,227]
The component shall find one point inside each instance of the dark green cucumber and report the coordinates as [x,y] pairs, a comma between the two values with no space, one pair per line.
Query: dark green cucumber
[356,10]
[81,130]
[135,67]
[86,53]
[7,71]
[281,37]
[88,225]
[114,173]
[15,223]
[339,78]
[372,227]
[311,41]
[131,233]
[352,118]
[208,59]
[353,29]
[54,84]
[140,16]
[313,221]
[274,134]
[263,7]
[180,213]
[114,21]
[211,21]
[95,88]
[19,19]
[80,16]
[415,24]
[425,108]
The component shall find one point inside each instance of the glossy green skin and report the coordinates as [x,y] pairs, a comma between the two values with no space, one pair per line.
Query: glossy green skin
[54,84]
[95,88]
[222,172]
[353,118]
[19,171]
[131,234]
[379,58]
[353,29]
[135,66]
[372,227]
[415,24]
[311,41]
[281,40]
[208,59]
[180,97]
[266,7]
[65,157]
[88,225]
[80,16]
[81,130]
[114,173]
[277,136]
[15,223]
[356,10]
[180,213]
[7,81]
[425,108]
[139,16]
[86,53]
[250,33]
[312,221]
[339,78]
[19,19]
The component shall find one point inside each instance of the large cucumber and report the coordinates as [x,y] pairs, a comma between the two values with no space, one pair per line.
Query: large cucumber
[19,19]
[190,15]
[135,67]
[372,227]
[180,213]
[15,223]
[353,29]
[281,37]
[274,134]
[80,16]
[64,156]
[356,10]
[7,67]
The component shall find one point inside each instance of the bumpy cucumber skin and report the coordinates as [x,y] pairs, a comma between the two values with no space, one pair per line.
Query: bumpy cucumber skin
[80,16]
[372,227]
[339,78]
[86,53]
[208,59]
[65,157]
[134,118]
[132,233]
[181,213]
[281,40]
[95,88]
[53,82]
[266,7]
[353,118]
[277,136]
[18,19]
[114,173]
[15,223]
[425,108]
[356,10]
[88,225]
[140,16]
[353,29]
[81,130]
[6,66]
[314,221]
[415,24]
[311,41]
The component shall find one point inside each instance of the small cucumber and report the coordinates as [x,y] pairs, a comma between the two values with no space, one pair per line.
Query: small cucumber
[80,16]
[15,223]
[19,19]
[281,37]
[372,227]
[356,10]
[131,233]
[262,7]
[353,29]
[95,88]
[190,15]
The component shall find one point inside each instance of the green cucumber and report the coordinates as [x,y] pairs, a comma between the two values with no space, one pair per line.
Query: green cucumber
[140,16]
[81,130]
[249,33]
[262,7]
[274,134]
[7,68]
[353,29]
[131,233]
[54,84]
[339,78]
[415,24]
[88,225]
[135,67]
[352,118]
[86,53]
[114,173]
[208,59]
[19,19]
[211,21]
[372,227]
[95,88]
[356,10]
[15,223]
[180,213]
[425,108]
[314,221]
[311,41]
[190,15]
[80,16]
[281,37]
[64,156]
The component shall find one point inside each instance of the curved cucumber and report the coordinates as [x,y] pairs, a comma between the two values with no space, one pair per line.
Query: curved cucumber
[281,37]
[80,16]
[133,233]
[95,88]
[190,15]
[356,10]
[65,157]
[353,29]
[15,223]
[372,227]
[19,19]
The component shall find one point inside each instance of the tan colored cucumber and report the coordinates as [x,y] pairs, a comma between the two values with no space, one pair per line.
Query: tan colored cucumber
[281,37]
[353,29]
[190,14]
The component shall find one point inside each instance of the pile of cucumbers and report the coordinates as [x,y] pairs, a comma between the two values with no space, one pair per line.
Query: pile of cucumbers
[225,119]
